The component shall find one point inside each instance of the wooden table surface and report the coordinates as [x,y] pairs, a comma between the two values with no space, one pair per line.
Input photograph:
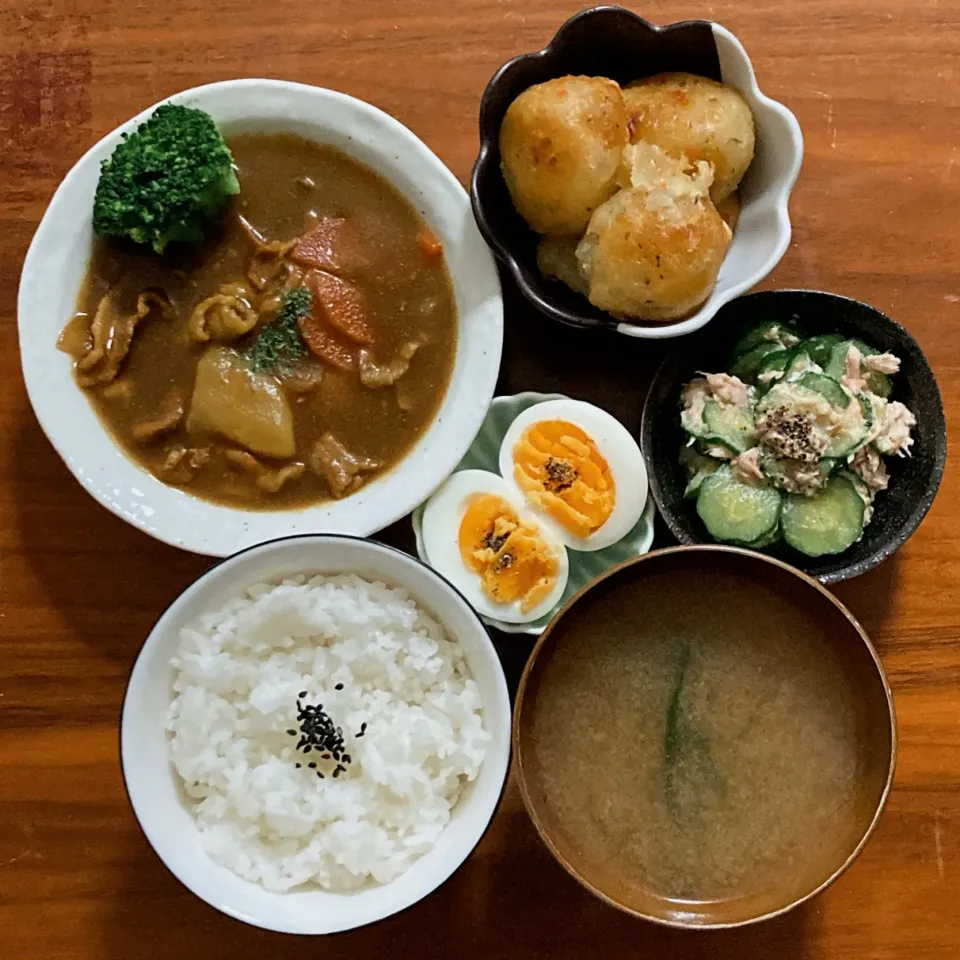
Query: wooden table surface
[876,87]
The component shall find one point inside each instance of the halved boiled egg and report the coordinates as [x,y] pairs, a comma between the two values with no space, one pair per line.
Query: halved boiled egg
[578,469]
[507,564]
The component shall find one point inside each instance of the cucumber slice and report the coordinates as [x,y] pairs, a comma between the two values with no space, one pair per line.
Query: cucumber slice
[697,467]
[691,428]
[851,433]
[776,361]
[836,365]
[771,331]
[737,512]
[863,491]
[827,523]
[696,481]
[878,383]
[732,426]
[799,364]
[864,347]
[746,366]
[830,465]
[787,396]
[854,429]
[767,540]
[827,387]
[818,348]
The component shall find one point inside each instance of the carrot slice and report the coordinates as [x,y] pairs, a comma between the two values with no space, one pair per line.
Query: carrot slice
[326,344]
[333,245]
[342,305]
[430,246]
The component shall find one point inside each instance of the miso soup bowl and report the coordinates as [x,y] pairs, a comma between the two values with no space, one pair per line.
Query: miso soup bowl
[153,785]
[613,42]
[57,262]
[606,600]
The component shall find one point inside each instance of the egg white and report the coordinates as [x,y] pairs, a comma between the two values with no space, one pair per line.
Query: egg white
[616,446]
[440,528]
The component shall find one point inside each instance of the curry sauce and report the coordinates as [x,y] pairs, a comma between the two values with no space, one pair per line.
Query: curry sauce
[382,334]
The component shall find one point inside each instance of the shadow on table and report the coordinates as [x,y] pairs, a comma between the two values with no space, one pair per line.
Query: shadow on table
[869,597]
[107,579]
[604,368]
[511,901]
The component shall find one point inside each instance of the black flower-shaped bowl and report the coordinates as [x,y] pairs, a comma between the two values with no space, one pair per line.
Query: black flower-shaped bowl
[613,42]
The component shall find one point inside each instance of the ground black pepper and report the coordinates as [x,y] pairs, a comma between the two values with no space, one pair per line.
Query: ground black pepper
[561,474]
[495,543]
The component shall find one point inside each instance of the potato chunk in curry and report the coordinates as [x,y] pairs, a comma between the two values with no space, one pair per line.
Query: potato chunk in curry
[232,401]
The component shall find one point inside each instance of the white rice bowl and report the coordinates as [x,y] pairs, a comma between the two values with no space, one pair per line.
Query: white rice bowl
[238,673]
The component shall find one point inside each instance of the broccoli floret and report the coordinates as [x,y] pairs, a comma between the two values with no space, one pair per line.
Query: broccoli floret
[166,181]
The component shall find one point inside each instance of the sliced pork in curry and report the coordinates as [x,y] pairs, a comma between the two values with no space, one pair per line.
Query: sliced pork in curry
[296,355]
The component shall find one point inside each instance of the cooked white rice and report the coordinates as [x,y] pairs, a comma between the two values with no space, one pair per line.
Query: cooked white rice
[239,672]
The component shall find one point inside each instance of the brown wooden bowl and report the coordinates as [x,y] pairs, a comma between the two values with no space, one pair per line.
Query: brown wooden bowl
[606,599]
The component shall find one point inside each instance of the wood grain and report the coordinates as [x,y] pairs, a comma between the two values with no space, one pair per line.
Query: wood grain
[875,86]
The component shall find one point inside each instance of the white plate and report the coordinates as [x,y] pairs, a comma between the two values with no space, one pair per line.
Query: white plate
[153,787]
[55,268]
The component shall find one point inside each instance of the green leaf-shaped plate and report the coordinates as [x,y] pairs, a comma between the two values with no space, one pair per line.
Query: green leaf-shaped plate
[484,454]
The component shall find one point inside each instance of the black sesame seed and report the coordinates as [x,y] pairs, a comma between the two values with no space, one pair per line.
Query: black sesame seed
[303,693]
[292,733]
[318,733]
[319,774]
[336,773]
[339,686]
[299,765]
[312,765]
[346,758]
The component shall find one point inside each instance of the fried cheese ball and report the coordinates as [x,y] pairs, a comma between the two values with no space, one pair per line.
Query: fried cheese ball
[557,257]
[560,147]
[697,117]
[652,252]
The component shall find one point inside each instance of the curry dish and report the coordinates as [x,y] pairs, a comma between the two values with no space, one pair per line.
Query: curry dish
[295,355]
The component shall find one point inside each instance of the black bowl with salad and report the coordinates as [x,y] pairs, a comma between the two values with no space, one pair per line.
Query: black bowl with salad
[800,423]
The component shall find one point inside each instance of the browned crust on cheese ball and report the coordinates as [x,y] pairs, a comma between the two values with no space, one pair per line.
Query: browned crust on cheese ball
[684,114]
[560,147]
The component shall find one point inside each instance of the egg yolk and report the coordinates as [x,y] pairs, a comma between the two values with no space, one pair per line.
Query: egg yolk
[561,471]
[512,559]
